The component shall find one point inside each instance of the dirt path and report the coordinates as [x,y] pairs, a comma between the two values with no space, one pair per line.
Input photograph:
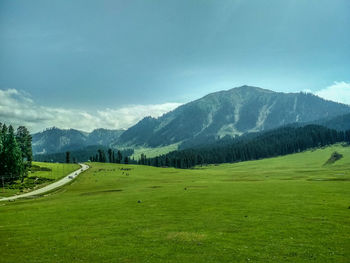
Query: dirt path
[52,186]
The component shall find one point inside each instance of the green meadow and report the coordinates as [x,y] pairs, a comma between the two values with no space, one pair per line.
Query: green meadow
[54,170]
[50,172]
[153,152]
[285,209]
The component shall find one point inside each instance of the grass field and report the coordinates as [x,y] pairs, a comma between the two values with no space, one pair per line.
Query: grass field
[153,152]
[54,171]
[58,170]
[285,209]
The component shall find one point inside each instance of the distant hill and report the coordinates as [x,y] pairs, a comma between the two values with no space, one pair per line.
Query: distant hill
[54,140]
[230,113]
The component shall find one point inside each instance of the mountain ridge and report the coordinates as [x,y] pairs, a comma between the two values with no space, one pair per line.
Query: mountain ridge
[53,140]
[233,112]
[230,112]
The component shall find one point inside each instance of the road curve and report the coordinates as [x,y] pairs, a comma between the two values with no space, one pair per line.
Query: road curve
[52,186]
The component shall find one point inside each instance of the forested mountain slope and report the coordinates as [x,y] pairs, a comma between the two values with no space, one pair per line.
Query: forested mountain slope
[233,112]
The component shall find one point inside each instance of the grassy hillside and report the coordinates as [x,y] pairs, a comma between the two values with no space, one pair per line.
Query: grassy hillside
[287,209]
[153,152]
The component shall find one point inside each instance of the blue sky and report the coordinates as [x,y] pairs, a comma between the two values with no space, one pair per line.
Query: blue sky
[107,55]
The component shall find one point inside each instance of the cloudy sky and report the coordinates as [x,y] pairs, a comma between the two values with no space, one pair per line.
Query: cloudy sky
[88,64]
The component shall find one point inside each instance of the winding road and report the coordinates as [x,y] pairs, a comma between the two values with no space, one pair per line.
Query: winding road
[52,186]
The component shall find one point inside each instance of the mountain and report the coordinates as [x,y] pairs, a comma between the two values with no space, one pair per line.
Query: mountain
[339,123]
[103,136]
[233,112]
[54,140]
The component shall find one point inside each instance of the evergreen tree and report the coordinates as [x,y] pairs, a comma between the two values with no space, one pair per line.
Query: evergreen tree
[101,156]
[67,157]
[156,162]
[113,157]
[126,160]
[110,155]
[24,140]
[119,157]
[143,159]
[167,161]
[2,148]
[11,155]
[347,136]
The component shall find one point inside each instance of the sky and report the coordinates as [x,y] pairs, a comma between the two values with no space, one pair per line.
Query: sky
[88,64]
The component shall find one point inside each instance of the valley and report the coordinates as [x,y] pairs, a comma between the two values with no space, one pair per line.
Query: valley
[174,131]
[293,208]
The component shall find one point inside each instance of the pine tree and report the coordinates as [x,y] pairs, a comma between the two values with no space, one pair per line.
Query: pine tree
[101,156]
[119,157]
[67,157]
[12,156]
[110,155]
[2,148]
[24,140]
[126,160]
[143,159]
[167,161]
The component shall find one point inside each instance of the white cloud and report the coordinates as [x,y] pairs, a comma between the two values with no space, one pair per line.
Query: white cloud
[17,108]
[339,92]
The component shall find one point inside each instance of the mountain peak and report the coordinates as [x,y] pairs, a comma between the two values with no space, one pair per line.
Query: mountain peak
[250,89]
[233,112]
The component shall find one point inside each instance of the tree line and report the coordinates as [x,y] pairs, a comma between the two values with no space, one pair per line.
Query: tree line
[113,156]
[15,153]
[272,143]
[82,155]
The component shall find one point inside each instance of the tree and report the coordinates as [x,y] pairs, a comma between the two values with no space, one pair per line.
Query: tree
[110,155]
[156,162]
[2,152]
[347,136]
[11,155]
[67,157]
[101,156]
[2,146]
[143,159]
[24,140]
[167,161]
[113,157]
[126,160]
[119,157]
